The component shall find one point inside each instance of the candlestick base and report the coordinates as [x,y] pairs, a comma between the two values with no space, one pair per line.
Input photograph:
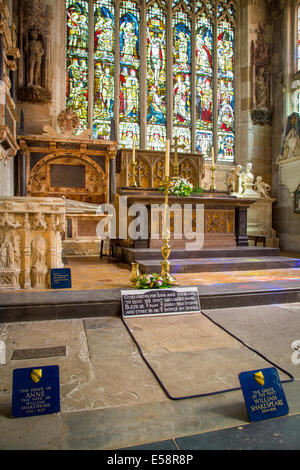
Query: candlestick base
[133,164]
[213,186]
[165,273]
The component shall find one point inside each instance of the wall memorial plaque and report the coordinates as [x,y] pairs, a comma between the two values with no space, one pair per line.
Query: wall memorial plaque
[160,301]
[35,391]
[263,394]
[67,176]
[61,278]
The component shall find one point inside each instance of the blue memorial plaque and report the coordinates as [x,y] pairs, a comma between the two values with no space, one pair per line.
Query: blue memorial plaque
[61,278]
[35,391]
[263,394]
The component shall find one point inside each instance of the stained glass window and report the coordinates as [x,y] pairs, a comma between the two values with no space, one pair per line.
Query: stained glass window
[298,37]
[225,92]
[204,85]
[171,64]
[182,55]
[156,78]
[77,36]
[104,45]
[129,75]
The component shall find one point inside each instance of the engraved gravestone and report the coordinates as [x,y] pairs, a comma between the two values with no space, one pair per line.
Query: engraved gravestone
[160,301]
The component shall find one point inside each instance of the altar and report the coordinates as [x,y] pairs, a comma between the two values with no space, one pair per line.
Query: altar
[224,221]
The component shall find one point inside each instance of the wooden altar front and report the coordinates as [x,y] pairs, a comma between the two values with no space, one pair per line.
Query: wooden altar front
[225,217]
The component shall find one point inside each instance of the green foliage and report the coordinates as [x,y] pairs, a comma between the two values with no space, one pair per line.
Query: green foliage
[151,281]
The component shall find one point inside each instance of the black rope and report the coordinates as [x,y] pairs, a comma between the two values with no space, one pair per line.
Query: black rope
[209,393]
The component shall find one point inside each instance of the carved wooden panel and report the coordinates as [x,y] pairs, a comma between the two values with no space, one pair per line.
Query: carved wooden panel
[150,170]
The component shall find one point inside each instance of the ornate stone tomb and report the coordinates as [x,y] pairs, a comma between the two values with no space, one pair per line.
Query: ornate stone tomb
[30,240]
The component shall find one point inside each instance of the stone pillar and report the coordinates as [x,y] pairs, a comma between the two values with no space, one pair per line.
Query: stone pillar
[112,178]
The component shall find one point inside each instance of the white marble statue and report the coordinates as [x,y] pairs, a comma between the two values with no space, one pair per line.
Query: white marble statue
[234,180]
[241,183]
[261,187]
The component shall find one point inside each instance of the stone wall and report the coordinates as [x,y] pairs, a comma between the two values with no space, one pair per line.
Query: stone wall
[7,178]
[285,221]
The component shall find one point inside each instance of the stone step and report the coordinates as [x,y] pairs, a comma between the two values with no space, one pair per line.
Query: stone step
[20,306]
[132,255]
[196,265]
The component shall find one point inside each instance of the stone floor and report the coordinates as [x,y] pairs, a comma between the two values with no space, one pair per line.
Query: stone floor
[93,273]
[111,400]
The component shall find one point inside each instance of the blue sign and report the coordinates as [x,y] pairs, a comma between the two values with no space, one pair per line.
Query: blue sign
[35,391]
[61,278]
[263,394]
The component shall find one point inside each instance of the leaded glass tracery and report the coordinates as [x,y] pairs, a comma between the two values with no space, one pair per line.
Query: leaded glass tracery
[77,40]
[182,61]
[204,84]
[225,91]
[156,78]
[104,45]
[129,76]
[177,82]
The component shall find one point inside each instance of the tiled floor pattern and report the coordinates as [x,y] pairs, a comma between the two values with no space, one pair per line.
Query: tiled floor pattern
[275,434]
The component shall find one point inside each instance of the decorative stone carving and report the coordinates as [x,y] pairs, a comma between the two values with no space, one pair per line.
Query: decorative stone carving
[9,54]
[234,180]
[241,183]
[68,122]
[291,144]
[261,73]
[261,187]
[34,30]
[30,240]
[39,222]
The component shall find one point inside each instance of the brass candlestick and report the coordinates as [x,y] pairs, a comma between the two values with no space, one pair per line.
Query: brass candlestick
[133,164]
[166,249]
[213,186]
[135,274]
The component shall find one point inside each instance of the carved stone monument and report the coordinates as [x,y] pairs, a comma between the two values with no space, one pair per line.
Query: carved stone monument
[30,240]
[260,77]
[34,44]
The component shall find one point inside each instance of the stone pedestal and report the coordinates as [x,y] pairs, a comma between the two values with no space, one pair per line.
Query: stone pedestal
[259,221]
[30,240]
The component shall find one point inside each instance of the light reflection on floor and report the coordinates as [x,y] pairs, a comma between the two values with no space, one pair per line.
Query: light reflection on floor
[93,273]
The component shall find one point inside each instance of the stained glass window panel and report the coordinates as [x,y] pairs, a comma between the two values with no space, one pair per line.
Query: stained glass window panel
[104,45]
[298,39]
[156,137]
[181,70]
[156,77]
[77,59]
[225,92]
[184,138]
[129,74]
[204,84]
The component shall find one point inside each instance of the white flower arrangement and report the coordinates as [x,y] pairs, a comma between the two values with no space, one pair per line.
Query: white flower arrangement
[181,188]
